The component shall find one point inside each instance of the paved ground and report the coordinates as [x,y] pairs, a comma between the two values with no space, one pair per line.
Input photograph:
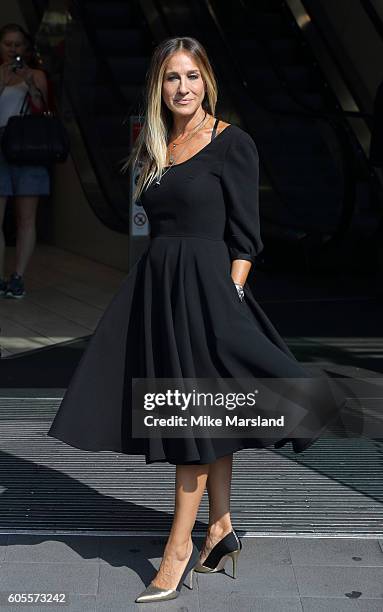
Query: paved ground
[274,574]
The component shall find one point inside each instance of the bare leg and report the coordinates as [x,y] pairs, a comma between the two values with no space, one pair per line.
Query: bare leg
[219,488]
[3,202]
[26,208]
[189,488]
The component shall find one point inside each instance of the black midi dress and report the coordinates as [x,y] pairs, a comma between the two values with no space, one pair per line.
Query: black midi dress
[177,313]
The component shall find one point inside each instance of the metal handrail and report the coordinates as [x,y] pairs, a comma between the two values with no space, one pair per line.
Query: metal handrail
[373,14]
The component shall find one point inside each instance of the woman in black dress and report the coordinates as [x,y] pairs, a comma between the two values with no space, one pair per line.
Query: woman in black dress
[184,309]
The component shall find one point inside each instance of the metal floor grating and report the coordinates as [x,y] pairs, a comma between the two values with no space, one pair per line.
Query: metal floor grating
[334,488]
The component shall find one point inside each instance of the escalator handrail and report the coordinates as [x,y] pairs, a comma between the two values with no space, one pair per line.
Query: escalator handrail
[374,16]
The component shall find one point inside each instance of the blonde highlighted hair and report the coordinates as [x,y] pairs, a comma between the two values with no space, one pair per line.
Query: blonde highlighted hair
[150,147]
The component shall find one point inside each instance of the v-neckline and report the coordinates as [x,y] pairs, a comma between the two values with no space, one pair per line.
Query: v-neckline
[200,151]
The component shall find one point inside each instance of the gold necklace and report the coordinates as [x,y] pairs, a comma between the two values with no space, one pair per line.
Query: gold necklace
[172,160]
[194,131]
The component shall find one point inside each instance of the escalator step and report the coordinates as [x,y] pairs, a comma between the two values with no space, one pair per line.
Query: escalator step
[113,13]
[121,40]
[313,100]
[282,101]
[249,47]
[263,77]
[264,5]
[105,101]
[110,129]
[269,24]
[128,70]
[287,49]
[300,77]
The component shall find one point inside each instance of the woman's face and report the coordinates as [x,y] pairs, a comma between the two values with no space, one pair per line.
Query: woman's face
[12,44]
[183,89]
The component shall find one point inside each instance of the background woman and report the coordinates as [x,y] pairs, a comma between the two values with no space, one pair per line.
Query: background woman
[25,183]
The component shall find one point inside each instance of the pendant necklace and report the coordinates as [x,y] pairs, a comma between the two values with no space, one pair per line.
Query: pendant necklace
[172,159]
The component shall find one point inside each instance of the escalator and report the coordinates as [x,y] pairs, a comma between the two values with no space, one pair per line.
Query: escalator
[108,49]
[314,170]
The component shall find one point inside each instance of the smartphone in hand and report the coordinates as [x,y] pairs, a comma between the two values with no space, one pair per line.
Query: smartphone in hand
[17,63]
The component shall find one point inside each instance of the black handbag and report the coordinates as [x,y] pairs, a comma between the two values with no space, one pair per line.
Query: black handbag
[36,140]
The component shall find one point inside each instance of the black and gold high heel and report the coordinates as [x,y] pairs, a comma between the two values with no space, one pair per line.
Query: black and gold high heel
[229,546]
[153,593]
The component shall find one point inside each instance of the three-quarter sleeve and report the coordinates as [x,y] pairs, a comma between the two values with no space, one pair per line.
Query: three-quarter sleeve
[240,184]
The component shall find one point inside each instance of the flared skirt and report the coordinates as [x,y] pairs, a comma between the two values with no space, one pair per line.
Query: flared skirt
[177,314]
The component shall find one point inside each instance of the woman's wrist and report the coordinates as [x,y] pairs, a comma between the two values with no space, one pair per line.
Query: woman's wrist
[240,291]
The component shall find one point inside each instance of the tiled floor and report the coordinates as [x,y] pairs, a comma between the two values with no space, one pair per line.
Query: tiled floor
[274,574]
[66,296]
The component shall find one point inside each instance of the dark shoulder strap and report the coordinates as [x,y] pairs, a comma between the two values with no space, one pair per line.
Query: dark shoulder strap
[25,104]
[214,130]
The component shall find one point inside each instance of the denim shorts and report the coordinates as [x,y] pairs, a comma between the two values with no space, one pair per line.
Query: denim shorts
[22,180]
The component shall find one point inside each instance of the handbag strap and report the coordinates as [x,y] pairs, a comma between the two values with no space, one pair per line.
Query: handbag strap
[26,103]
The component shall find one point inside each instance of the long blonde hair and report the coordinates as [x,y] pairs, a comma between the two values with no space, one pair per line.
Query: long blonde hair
[150,147]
